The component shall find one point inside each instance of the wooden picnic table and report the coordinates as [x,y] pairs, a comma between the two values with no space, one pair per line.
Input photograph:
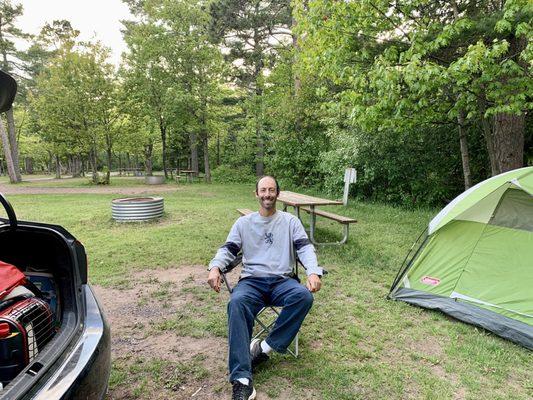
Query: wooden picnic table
[188,172]
[308,204]
[298,200]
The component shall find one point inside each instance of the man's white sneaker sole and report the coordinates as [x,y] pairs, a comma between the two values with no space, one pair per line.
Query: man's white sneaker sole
[253,342]
[252,396]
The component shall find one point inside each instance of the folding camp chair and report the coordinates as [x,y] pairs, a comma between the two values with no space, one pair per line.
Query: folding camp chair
[266,317]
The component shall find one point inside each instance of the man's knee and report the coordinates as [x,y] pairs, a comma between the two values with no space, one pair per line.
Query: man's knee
[238,301]
[303,296]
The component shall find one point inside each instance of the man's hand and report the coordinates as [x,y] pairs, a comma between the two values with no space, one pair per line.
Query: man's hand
[214,279]
[313,283]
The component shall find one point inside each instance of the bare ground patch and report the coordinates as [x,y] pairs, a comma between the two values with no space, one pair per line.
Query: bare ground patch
[155,351]
[163,363]
[132,190]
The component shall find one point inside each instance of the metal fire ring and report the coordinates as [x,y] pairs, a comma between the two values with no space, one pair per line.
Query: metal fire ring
[137,209]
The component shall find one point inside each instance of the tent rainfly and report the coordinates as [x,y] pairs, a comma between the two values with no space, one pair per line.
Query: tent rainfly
[475,262]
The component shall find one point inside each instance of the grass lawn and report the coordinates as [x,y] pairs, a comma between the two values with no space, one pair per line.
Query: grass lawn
[355,344]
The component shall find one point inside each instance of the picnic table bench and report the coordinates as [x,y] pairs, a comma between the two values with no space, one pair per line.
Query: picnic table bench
[344,221]
[244,211]
[308,204]
[132,171]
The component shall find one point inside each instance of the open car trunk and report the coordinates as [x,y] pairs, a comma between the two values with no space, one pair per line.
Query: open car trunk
[47,250]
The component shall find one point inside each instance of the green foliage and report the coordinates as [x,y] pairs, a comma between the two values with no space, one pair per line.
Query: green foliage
[396,68]
[232,174]
[74,102]
[173,72]
[101,178]
[304,89]
[296,135]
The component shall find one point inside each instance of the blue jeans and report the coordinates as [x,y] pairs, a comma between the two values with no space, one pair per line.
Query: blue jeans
[248,298]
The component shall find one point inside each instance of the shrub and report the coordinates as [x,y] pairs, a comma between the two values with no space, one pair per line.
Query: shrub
[230,174]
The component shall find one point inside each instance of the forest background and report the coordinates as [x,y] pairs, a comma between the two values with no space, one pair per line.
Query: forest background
[424,98]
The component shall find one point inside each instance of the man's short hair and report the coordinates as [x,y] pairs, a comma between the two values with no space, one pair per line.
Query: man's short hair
[266,176]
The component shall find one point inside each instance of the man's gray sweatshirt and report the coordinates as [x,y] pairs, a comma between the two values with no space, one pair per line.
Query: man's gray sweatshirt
[268,246]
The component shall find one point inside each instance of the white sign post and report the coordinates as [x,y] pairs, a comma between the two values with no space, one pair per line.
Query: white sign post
[350,176]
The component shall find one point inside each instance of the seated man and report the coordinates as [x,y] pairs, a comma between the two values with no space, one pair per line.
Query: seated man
[267,240]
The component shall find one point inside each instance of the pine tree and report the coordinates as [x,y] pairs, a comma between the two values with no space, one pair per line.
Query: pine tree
[252,31]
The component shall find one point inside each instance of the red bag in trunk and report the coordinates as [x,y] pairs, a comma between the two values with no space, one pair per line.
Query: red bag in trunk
[10,278]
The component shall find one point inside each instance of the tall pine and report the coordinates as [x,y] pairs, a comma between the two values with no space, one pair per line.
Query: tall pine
[252,31]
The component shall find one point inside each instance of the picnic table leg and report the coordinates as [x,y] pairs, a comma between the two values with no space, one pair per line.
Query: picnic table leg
[312,223]
[345,231]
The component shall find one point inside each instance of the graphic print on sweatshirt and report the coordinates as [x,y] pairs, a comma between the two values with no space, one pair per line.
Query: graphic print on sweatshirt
[269,238]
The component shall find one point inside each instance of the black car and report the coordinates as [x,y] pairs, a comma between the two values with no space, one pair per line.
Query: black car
[75,362]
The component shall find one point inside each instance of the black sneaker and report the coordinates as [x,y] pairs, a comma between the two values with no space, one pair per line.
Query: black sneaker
[258,357]
[242,391]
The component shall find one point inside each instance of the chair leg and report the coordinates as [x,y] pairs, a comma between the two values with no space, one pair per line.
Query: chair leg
[266,328]
[294,351]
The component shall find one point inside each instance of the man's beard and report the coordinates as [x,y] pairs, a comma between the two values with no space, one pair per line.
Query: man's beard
[271,202]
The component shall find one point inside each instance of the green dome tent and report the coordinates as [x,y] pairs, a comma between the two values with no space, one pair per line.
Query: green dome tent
[476,261]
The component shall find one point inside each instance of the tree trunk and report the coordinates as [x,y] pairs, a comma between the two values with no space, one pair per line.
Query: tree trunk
[163,130]
[295,49]
[50,162]
[505,138]
[260,150]
[109,152]
[13,141]
[148,159]
[75,166]
[465,157]
[194,152]
[94,165]
[205,142]
[206,160]
[218,149]
[258,67]
[58,167]
[28,165]
[7,153]
[128,162]
[260,145]
[83,165]
[508,140]
[119,164]
[487,133]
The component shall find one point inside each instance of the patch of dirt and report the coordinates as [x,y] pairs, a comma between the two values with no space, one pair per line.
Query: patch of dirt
[152,297]
[193,367]
[429,346]
[133,190]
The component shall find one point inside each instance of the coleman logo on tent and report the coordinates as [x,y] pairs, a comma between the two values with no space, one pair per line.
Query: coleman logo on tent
[428,280]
